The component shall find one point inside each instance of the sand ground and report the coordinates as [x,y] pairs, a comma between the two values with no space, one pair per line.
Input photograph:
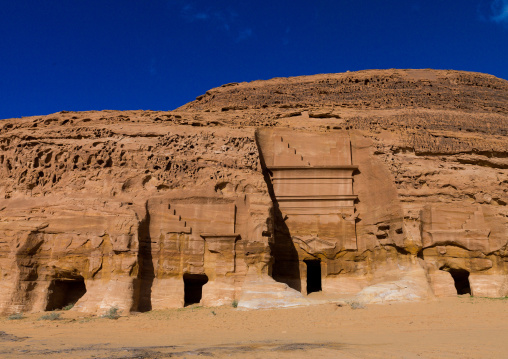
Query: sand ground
[462,327]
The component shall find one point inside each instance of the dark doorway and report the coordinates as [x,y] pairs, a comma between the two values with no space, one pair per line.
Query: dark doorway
[313,275]
[461,279]
[193,287]
[65,292]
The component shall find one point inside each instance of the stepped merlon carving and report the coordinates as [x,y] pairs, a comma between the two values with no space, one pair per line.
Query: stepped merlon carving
[463,226]
[319,181]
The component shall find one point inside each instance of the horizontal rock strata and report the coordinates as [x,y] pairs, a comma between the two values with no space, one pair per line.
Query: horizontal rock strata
[382,184]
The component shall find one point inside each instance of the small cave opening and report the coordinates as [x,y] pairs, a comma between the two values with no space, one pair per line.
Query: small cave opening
[64,292]
[313,275]
[193,287]
[460,279]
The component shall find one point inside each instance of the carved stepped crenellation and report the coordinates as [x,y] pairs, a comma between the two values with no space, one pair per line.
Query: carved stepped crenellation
[175,222]
[462,225]
[476,221]
[211,218]
[317,199]
[288,154]
[326,187]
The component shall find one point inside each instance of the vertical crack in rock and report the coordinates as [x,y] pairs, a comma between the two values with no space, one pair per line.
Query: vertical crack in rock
[285,266]
[146,273]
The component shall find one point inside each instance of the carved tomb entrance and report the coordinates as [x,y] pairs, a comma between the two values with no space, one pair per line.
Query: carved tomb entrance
[313,275]
[461,280]
[462,226]
[193,287]
[64,292]
[310,176]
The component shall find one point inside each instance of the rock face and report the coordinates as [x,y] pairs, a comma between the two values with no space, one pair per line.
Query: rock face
[384,185]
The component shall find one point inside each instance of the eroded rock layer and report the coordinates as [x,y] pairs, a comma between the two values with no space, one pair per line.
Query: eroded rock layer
[387,185]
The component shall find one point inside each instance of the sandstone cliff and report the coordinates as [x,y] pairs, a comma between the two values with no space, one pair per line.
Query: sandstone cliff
[387,185]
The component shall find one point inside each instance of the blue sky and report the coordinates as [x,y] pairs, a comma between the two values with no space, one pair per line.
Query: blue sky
[159,54]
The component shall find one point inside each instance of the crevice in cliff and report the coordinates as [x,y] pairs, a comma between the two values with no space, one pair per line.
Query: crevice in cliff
[286,266]
[146,273]
[492,159]
[484,162]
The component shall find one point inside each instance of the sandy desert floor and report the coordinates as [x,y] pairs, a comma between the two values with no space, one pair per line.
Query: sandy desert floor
[462,327]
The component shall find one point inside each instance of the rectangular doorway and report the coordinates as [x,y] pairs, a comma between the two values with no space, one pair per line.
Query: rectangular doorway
[313,275]
[193,287]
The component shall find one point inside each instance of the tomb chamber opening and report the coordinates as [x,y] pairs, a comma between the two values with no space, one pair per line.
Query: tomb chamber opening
[65,292]
[193,287]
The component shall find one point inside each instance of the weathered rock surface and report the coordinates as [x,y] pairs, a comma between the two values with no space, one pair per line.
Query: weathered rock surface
[388,185]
